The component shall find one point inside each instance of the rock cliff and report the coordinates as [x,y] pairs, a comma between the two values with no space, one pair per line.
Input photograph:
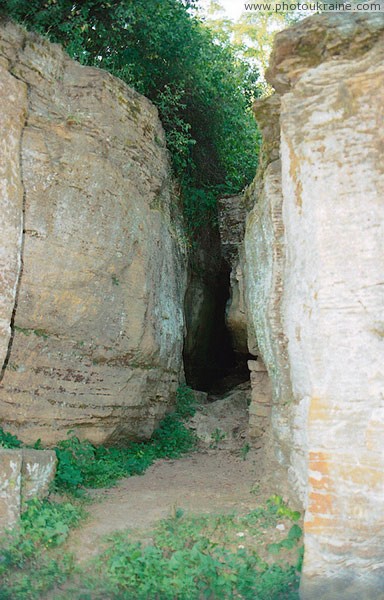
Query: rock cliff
[315,290]
[92,263]
[232,214]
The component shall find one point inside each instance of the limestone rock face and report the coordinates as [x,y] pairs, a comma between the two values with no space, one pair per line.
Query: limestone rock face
[223,422]
[10,487]
[98,321]
[13,112]
[272,411]
[260,405]
[315,288]
[232,214]
[25,474]
[38,470]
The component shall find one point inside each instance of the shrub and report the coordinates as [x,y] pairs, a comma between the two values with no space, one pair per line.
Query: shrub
[203,90]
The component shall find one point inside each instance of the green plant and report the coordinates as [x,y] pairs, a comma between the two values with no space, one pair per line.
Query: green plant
[7,440]
[294,535]
[83,465]
[282,510]
[30,560]
[186,403]
[244,450]
[188,558]
[217,436]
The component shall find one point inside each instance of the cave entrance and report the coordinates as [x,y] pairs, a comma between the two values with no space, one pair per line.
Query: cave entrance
[210,361]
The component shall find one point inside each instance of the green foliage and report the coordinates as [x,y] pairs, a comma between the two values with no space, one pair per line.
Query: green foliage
[282,510]
[172,439]
[186,404]
[7,440]
[252,36]
[30,562]
[192,557]
[244,450]
[294,535]
[188,557]
[199,206]
[217,436]
[203,89]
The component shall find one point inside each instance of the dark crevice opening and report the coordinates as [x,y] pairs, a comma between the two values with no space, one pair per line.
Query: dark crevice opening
[210,361]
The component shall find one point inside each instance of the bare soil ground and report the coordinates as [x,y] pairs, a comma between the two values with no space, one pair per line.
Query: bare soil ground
[211,482]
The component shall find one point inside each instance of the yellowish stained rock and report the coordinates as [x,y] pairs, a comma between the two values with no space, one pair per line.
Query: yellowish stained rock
[98,327]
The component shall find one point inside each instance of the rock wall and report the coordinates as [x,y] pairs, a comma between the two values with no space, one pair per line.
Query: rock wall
[13,113]
[89,211]
[25,474]
[273,413]
[315,290]
[232,214]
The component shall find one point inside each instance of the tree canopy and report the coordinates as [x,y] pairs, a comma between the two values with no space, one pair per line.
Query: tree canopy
[160,47]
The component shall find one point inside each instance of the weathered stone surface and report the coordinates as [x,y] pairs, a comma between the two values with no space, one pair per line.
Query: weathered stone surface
[200,397]
[315,288]
[333,307]
[319,39]
[224,422]
[98,330]
[37,472]
[13,95]
[10,487]
[232,214]
[264,268]
[263,272]
[24,474]
[261,400]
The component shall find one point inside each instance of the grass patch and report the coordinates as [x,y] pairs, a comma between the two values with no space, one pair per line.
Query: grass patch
[197,557]
[31,560]
[186,558]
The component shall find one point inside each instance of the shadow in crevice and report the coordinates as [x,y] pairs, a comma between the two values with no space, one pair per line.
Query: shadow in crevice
[210,362]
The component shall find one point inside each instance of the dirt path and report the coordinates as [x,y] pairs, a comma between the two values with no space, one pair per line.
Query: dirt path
[214,482]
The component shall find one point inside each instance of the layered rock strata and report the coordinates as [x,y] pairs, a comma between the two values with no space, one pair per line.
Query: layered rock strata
[90,212]
[315,291]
